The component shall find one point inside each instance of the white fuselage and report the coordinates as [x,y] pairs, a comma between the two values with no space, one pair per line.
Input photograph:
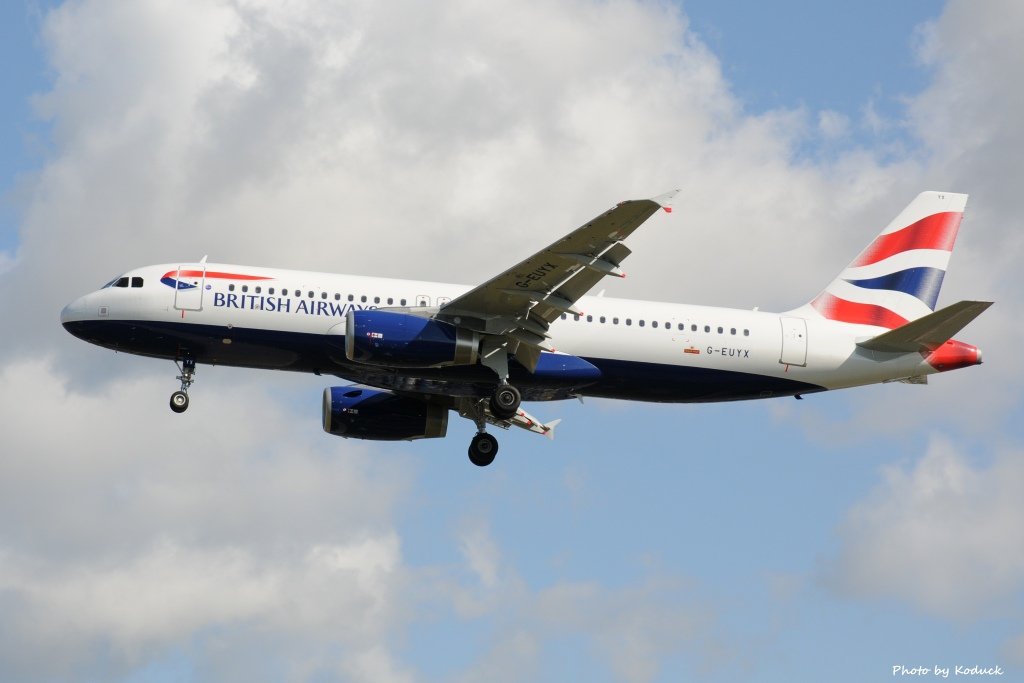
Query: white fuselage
[229,303]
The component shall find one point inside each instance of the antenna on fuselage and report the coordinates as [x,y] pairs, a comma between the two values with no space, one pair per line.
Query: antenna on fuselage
[202,261]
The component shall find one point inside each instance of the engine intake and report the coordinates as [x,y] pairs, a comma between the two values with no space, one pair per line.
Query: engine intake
[365,413]
[376,337]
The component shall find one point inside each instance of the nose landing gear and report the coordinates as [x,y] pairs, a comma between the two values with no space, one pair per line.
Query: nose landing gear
[179,399]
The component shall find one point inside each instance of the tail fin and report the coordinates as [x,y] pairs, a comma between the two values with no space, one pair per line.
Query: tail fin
[897,278]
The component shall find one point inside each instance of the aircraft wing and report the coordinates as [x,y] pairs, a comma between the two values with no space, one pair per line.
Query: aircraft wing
[521,303]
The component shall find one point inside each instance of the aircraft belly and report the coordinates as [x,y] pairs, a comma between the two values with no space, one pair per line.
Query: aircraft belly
[659,382]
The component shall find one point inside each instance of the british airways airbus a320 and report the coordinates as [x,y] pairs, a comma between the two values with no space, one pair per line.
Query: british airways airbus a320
[417,350]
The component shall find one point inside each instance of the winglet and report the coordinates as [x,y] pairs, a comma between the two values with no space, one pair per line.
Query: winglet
[665,200]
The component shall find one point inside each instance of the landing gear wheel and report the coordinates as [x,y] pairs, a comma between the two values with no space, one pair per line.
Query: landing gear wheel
[179,401]
[505,402]
[482,449]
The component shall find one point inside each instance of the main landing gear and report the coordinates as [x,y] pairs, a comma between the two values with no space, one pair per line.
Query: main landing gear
[502,405]
[179,399]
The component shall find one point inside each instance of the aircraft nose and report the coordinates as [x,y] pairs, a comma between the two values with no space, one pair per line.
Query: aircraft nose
[73,311]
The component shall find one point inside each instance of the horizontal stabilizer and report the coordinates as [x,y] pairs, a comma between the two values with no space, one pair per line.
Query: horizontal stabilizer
[929,332]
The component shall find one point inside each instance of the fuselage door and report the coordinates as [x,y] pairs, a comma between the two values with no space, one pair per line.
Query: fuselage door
[794,341]
[191,283]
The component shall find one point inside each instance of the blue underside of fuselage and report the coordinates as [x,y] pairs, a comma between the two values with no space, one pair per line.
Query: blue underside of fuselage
[321,354]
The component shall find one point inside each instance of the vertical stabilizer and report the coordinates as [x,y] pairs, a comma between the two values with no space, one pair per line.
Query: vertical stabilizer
[897,278]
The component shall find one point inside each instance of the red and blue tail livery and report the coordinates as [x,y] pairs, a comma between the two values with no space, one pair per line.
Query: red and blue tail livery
[897,278]
[412,353]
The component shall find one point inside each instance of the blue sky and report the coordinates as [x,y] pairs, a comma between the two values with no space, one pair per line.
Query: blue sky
[832,538]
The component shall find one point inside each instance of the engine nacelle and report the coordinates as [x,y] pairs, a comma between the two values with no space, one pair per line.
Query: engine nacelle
[364,413]
[379,337]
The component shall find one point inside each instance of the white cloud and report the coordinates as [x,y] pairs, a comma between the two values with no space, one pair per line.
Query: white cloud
[832,124]
[481,554]
[943,535]
[131,530]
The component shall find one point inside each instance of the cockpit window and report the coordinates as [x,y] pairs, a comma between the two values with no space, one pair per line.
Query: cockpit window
[124,281]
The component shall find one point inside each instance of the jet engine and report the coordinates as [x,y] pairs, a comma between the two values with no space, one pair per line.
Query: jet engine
[364,413]
[376,337]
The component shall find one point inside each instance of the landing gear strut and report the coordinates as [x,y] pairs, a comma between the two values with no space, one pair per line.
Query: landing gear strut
[179,399]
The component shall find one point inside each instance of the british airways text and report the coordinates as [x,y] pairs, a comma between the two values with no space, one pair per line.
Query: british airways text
[282,304]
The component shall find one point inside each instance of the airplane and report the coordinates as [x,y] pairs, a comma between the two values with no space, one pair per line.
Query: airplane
[414,351]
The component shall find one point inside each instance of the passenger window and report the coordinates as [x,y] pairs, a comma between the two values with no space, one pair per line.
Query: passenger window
[668,326]
[298,292]
[390,301]
[376,299]
[363,298]
[590,318]
[732,330]
[707,328]
[403,302]
[693,328]
[136,282]
[641,323]
[323,295]
[259,289]
[629,321]
[746,333]
[720,330]
[615,321]
[284,292]
[654,323]
[563,316]
[245,288]
[231,288]
[310,294]
[337,297]
[601,318]
[270,291]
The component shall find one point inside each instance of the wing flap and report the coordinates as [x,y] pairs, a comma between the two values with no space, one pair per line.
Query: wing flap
[928,332]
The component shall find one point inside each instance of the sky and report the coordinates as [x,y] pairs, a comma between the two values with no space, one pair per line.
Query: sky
[833,538]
